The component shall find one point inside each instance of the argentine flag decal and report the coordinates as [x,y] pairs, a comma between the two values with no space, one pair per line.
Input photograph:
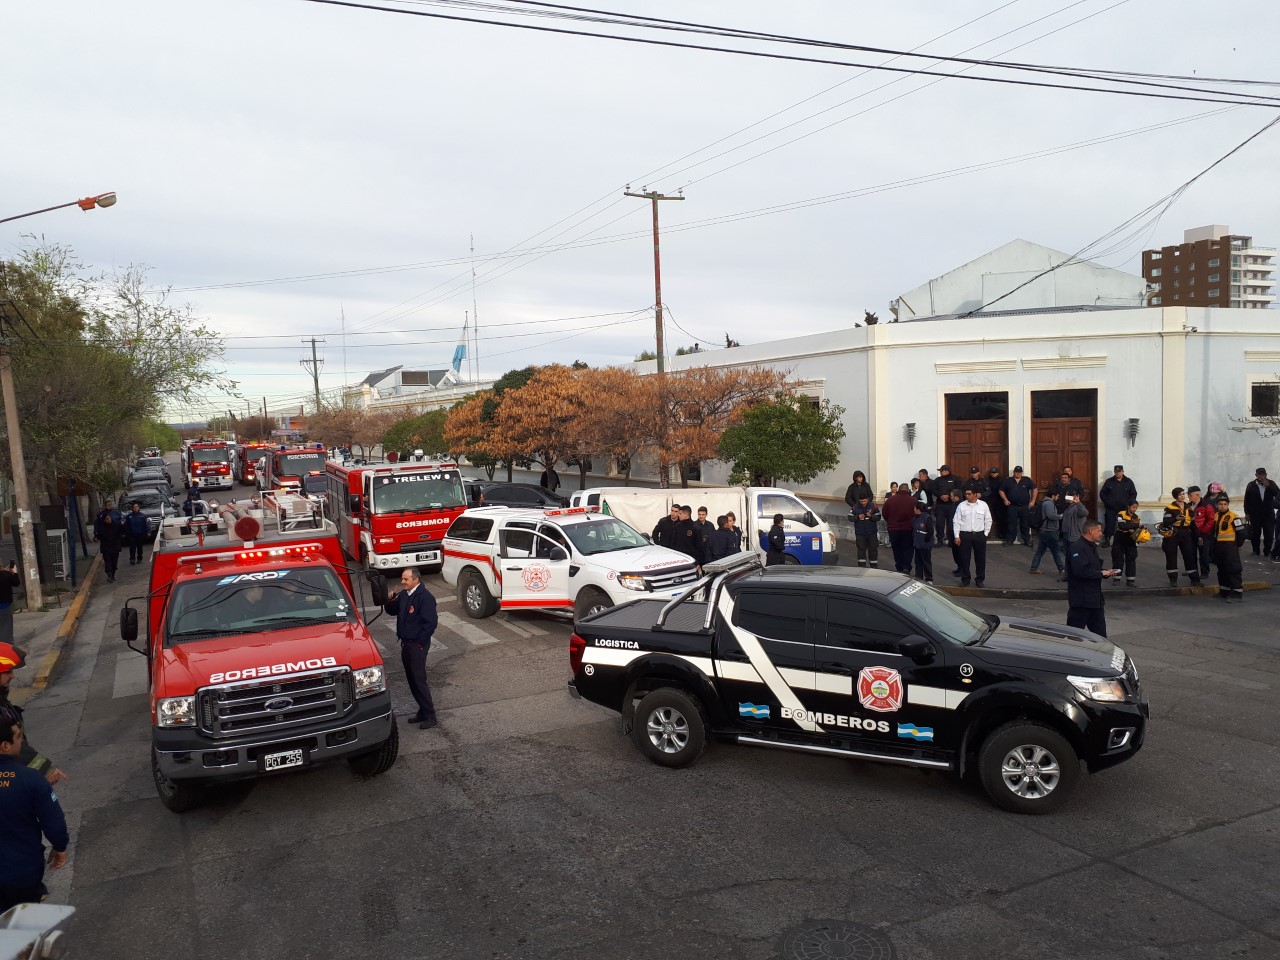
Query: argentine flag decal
[751,710]
[909,731]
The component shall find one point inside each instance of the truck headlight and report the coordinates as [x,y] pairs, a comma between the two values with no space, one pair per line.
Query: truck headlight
[632,581]
[369,681]
[1105,690]
[176,712]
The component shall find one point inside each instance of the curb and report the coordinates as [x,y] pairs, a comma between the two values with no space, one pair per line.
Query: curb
[1144,593]
[67,631]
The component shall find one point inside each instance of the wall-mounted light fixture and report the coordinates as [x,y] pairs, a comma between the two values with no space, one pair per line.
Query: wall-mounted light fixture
[1131,430]
[909,434]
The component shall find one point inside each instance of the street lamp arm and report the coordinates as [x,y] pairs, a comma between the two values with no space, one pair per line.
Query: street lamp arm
[88,203]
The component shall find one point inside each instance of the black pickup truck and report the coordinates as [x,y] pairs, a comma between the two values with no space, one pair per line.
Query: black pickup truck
[864,664]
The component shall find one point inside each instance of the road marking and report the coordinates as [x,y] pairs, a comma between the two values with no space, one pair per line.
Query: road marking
[525,630]
[466,630]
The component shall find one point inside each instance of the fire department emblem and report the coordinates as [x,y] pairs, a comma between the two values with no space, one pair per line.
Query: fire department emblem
[536,576]
[880,689]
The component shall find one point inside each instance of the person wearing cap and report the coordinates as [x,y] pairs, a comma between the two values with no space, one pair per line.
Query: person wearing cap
[947,495]
[1261,498]
[866,529]
[1226,552]
[12,658]
[29,814]
[1117,493]
[977,482]
[1176,526]
[1018,493]
[1124,544]
[994,504]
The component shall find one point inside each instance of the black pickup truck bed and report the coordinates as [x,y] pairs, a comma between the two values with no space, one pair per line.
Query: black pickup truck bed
[641,616]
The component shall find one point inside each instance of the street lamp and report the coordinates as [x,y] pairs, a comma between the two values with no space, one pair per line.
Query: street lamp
[21,496]
[88,203]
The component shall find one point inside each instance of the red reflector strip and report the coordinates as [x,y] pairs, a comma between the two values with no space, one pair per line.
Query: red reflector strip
[291,551]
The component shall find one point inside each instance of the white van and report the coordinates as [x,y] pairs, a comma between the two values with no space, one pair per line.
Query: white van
[809,539]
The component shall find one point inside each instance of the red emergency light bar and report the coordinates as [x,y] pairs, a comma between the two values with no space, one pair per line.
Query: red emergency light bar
[293,550]
[565,511]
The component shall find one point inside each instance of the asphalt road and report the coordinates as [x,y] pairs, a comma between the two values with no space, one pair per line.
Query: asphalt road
[525,827]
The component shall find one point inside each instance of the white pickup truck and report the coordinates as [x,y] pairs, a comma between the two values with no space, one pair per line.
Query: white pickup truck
[504,558]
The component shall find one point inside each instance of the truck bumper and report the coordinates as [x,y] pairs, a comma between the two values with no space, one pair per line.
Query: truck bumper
[189,754]
[398,561]
[830,558]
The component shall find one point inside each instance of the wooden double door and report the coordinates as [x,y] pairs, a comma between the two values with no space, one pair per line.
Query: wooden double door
[978,443]
[1067,441]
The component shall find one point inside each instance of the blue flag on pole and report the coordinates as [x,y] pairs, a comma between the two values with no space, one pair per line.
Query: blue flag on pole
[460,351]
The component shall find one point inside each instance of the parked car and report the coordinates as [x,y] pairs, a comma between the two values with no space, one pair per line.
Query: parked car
[152,452]
[151,501]
[473,488]
[143,462]
[161,484]
[521,495]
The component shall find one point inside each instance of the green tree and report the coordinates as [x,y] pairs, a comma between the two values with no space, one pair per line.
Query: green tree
[425,432]
[153,433]
[788,438]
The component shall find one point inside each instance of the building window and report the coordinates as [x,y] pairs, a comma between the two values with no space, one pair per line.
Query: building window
[1193,265]
[1156,272]
[1157,256]
[1155,301]
[977,406]
[1215,262]
[1213,277]
[1191,282]
[1177,268]
[1264,400]
[1177,284]
[1213,294]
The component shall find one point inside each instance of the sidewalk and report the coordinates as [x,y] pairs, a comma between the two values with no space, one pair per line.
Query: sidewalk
[1008,573]
[44,634]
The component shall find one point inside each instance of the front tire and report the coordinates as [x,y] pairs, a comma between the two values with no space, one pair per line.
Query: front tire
[475,597]
[378,761]
[669,727]
[790,561]
[588,603]
[177,795]
[1028,768]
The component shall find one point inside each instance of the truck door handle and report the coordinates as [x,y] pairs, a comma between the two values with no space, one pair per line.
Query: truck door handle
[515,568]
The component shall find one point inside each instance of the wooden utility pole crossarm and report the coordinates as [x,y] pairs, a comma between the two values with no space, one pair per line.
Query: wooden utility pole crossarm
[653,197]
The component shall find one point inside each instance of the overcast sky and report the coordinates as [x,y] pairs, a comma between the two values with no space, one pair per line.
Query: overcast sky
[253,140]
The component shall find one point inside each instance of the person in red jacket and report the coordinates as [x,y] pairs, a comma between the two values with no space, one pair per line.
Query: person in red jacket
[899,516]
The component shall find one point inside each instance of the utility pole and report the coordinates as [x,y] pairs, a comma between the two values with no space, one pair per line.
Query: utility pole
[653,197]
[313,365]
[22,498]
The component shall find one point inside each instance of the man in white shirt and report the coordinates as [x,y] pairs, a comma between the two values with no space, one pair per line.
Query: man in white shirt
[972,523]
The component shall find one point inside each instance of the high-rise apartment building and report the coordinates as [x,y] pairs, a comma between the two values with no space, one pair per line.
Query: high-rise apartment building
[1212,267]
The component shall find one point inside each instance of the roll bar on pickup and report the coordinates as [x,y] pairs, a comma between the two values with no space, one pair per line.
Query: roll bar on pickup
[713,576]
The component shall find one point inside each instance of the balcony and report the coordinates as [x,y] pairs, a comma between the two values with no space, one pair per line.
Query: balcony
[1258,297]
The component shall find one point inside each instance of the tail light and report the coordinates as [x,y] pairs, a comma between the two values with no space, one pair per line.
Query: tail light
[577,647]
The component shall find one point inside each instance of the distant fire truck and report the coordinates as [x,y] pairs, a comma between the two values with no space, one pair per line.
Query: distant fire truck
[207,463]
[247,457]
[393,515]
[298,469]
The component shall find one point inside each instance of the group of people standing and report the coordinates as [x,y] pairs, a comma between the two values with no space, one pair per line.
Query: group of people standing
[699,539]
[115,530]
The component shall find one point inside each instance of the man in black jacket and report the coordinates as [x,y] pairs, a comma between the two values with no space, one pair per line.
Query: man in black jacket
[857,490]
[1085,574]
[1260,501]
[947,496]
[685,537]
[664,534]
[1117,493]
[416,620]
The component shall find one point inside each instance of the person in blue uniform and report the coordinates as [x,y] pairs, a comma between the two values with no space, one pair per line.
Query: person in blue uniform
[777,543]
[416,620]
[1085,574]
[29,815]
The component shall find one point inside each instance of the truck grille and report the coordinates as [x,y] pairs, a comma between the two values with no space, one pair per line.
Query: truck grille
[671,578]
[235,709]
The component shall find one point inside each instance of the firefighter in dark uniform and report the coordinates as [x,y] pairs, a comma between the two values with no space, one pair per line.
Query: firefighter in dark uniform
[664,534]
[1177,527]
[29,814]
[777,540]
[416,620]
[947,495]
[1085,574]
[994,504]
[1226,552]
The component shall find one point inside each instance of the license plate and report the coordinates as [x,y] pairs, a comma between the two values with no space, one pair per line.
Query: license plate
[425,557]
[279,761]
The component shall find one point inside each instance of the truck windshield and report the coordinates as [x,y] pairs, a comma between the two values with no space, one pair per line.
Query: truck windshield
[255,603]
[933,607]
[417,491]
[209,455]
[297,464]
[603,536]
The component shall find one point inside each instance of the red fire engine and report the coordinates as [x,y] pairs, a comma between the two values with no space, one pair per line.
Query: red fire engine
[207,463]
[298,469]
[247,457]
[394,515]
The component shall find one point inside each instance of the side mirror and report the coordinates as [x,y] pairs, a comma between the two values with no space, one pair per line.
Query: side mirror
[558,553]
[648,537]
[809,520]
[129,627]
[916,648]
[377,587]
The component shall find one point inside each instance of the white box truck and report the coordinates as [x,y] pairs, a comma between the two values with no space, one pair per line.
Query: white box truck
[809,538]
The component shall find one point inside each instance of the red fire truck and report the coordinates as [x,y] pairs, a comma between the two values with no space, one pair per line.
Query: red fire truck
[207,463]
[393,515]
[247,457]
[298,469]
